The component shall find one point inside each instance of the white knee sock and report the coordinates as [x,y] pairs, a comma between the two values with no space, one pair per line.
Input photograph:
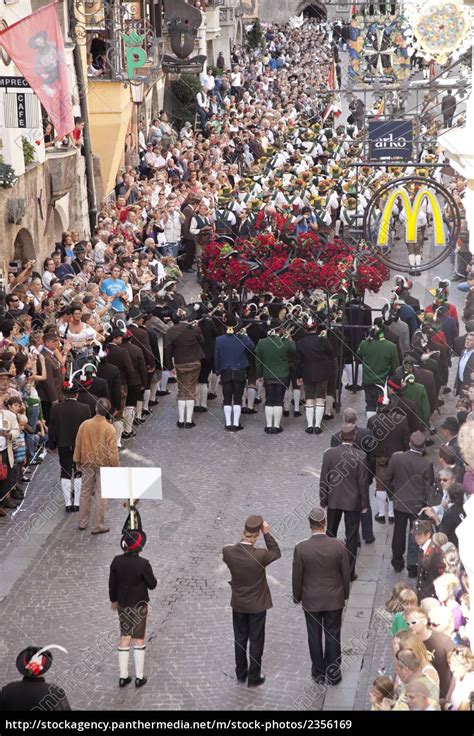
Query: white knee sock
[269,413]
[181,410]
[411,259]
[146,399]
[309,411]
[153,389]
[237,411]
[189,410]
[418,259]
[202,394]
[213,379]
[390,509]
[123,656]
[277,413]
[118,426]
[139,409]
[139,659]
[66,489]
[228,415]
[329,405]
[296,398]
[348,372]
[251,394]
[164,380]
[381,498]
[128,417]
[319,412]
[286,400]
[259,388]
[77,485]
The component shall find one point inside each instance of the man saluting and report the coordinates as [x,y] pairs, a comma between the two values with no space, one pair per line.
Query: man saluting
[250,596]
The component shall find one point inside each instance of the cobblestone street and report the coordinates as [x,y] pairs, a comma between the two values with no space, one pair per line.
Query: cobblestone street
[54,579]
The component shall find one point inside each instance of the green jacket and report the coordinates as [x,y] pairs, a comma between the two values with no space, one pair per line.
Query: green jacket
[273,357]
[416,392]
[379,361]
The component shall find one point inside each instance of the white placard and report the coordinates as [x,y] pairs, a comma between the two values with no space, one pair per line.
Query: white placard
[136,483]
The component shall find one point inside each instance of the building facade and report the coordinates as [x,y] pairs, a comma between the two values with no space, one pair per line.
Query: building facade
[50,194]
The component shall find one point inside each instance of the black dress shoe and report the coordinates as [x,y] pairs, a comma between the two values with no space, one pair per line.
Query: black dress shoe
[139,682]
[297,414]
[237,428]
[147,412]
[17,494]
[153,403]
[190,425]
[412,571]
[258,401]
[320,679]
[211,396]
[127,435]
[75,509]
[125,681]
[370,541]
[328,416]
[334,682]
[447,390]
[251,411]
[199,409]
[379,519]
[397,568]
[429,442]
[228,427]
[354,577]
[277,430]
[178,424]
[242,679]
[268,430]
[286,413]
[309,430]
[391,520]
[245,410]
[69,509]
[162,393]
[172,379]
[256,683]
[318,430]
[349,387]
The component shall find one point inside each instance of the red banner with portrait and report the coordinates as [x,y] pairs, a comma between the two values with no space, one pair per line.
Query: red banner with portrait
[36,46]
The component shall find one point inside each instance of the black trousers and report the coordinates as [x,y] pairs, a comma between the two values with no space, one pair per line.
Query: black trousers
[399,540]
[351,521]
[275,391]
[325,655]
[189,253]
[68,467]
[248,627]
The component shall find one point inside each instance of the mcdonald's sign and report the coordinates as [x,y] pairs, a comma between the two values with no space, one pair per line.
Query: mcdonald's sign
[411,213]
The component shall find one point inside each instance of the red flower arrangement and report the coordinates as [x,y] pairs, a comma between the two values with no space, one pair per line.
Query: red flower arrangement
[335,266]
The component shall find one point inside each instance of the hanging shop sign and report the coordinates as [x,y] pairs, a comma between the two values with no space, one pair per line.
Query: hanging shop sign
[402,200]
[391,139]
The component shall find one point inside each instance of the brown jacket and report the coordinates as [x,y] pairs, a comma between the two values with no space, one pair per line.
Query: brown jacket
[118,356]
[51,389]
[344,480]
[321,574]
[96,444]
[250,591]
[410,480]
[138,363]
[141,340]
[183,344]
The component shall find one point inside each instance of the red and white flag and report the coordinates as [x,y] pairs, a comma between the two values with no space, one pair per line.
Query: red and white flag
[334,107]
[36,46]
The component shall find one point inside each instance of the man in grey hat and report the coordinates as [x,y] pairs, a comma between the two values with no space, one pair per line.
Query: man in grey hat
[321,583]
[344,489]
[409,480]
[251,596]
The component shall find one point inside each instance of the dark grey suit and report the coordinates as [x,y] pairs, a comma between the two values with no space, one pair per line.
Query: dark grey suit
[409,480]
[321,582]
[344,489]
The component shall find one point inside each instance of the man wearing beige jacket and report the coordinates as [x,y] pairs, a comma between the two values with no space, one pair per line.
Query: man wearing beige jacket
[95,448]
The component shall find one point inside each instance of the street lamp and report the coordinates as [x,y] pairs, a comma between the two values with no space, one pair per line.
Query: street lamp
[137,92]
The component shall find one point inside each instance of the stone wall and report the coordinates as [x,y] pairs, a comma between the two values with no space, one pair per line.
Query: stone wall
[278,11]
[56,199]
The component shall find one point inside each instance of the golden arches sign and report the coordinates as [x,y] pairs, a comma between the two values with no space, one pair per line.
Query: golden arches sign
[411,212]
